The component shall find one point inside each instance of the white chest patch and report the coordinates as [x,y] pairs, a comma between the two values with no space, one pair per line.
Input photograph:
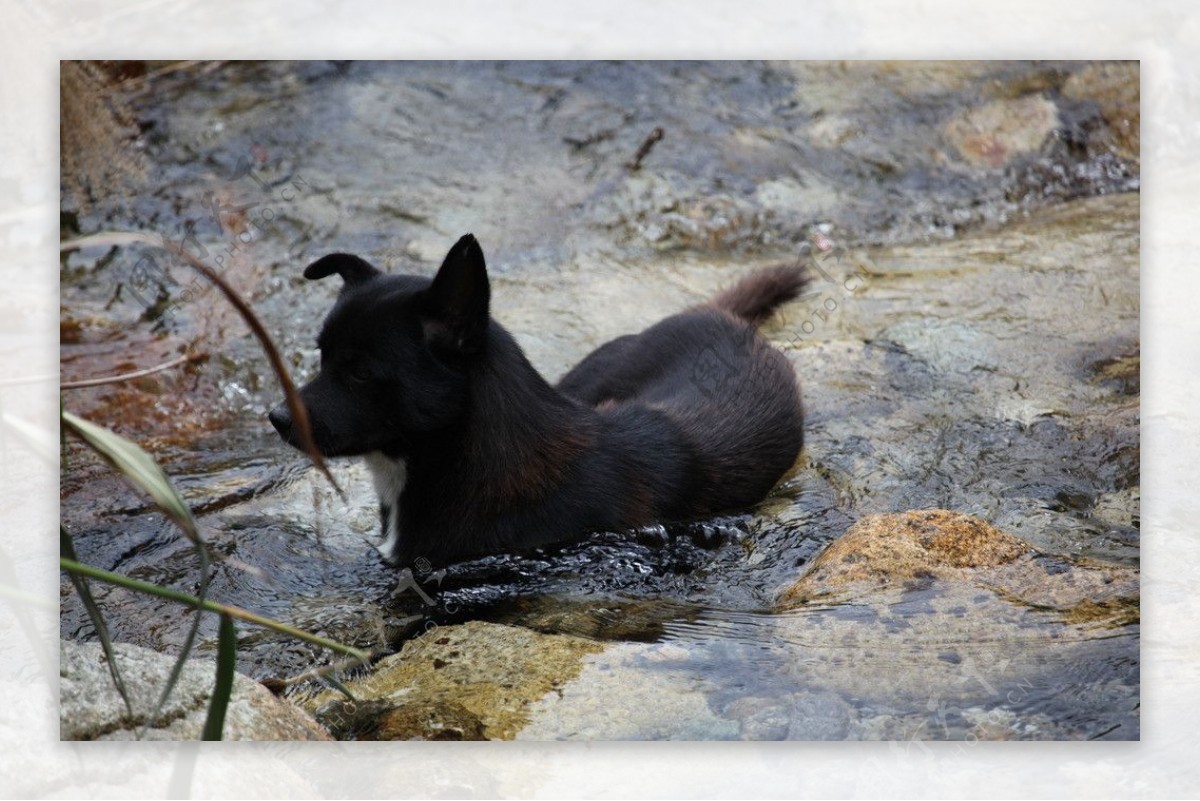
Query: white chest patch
[390,476]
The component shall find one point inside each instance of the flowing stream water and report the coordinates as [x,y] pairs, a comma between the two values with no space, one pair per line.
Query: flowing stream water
[970,343]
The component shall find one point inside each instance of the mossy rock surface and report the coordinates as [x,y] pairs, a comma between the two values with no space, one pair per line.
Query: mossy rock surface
[889,553]
[470,681]
[884,549]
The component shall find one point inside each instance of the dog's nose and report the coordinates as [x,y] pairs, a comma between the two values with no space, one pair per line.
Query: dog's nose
[281,419]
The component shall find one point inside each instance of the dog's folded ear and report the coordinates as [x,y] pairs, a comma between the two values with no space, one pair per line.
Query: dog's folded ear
[352,269]
[457,310]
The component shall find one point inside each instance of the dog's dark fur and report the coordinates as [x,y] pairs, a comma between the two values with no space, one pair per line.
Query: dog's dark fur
[473,452]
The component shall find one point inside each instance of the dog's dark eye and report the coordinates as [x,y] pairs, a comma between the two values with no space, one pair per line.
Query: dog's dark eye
[358,374]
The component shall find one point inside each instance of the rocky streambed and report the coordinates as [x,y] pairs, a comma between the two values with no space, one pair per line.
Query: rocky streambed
[955,556]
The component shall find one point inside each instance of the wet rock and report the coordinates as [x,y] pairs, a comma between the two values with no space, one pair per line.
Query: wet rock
[381,720]
[911,550]
[592,618]
[1122,373]
[799,716]
[760,718]
[91,709]
[882,651]
[472,681]
[992,135]
[1115,87]
[944,344]
[630,691]
[1002,724]
[999,650]
[819,716]
[667,216]
[1120,508]
[1081,591]
[882,550]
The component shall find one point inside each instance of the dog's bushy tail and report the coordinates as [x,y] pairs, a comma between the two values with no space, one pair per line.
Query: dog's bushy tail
[755,297]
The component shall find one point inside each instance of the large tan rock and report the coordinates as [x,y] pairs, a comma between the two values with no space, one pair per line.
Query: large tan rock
[889,553]
[885,549]
[470,681]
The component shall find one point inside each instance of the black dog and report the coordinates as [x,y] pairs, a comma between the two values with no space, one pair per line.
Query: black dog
[473,452]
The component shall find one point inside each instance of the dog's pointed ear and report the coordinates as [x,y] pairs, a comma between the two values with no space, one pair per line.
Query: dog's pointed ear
[352,269]
[459,298]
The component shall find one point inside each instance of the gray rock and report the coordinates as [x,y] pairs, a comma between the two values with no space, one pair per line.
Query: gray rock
[631,691]
[945,345]
[91,709]
[819,716]
[770,721]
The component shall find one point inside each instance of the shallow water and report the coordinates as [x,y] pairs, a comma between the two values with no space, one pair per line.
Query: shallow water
[971,343]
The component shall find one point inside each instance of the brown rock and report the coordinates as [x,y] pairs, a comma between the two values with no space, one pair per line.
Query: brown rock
[1083,591]
[1115,87]
[891,548]
[411,720]
[885,553]
[992,135]
[475,680]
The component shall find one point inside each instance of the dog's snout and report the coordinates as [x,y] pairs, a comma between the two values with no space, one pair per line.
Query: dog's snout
[281,419]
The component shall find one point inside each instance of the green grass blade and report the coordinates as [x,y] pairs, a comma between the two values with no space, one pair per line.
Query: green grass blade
[214,724]
[185,653]
[212,606]
[67,548]
[136,465]
[141,469]
[336,684]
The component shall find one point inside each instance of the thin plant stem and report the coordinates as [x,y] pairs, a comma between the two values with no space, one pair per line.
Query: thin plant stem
[211,606]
